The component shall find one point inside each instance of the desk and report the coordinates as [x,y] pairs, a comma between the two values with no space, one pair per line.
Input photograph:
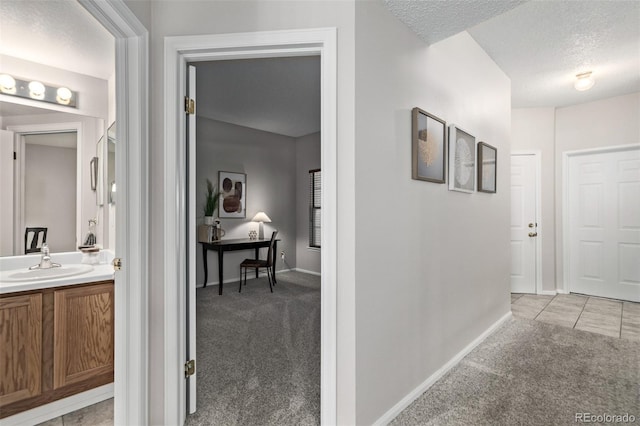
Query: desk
[235,244]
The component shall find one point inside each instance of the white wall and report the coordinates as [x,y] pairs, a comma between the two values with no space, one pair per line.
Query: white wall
[307,158]
[50,189]
[534,129]
[174,18]
[268,160]
[432,266]
[608,122]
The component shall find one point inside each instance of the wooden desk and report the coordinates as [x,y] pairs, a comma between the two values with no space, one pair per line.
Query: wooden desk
[235,244]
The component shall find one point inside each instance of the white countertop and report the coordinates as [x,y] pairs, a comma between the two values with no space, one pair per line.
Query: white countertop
[101,272]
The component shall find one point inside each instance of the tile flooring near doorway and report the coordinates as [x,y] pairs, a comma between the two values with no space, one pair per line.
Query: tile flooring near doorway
[609,317]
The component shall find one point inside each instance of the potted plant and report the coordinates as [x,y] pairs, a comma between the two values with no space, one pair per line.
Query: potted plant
[210,202]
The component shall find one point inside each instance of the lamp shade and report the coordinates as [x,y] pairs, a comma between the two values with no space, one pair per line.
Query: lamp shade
[261,217]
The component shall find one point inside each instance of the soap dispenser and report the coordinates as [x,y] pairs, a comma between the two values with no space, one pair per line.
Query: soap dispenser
[90,239]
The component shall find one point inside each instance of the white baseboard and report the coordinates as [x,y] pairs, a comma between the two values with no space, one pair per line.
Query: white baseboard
[549,292]
[60,407]
[305,271]
[561,291]
[236,279]
[424,386]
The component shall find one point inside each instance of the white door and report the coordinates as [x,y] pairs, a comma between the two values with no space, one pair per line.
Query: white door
[191,238]
[6,193]
[603,220]
[524,223]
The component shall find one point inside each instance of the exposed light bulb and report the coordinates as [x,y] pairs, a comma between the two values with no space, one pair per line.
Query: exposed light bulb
[63,95]
[7,84]
[36,90]
[584,81]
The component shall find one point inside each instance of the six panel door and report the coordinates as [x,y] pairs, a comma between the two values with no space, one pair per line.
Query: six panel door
[604,224]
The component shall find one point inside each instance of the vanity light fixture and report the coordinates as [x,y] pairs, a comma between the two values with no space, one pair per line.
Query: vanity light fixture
[33,89]
[7,84]
[584,81]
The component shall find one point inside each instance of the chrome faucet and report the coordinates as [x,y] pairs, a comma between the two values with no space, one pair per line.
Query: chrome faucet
[45,260]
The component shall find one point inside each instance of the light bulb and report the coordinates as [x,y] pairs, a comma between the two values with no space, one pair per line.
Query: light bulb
[7,84]
[36,90]
[584,81]
[63,95]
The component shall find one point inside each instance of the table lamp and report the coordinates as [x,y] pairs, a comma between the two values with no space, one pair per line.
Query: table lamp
[261,217]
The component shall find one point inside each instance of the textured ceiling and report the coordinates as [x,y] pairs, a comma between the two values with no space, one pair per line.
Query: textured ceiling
[280,95]
[542,45]
[57,33]
[436,20]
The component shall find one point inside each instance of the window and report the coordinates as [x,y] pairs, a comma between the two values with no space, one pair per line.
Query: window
[315,191]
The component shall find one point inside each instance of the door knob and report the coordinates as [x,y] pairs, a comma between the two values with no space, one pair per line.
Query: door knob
[533,234]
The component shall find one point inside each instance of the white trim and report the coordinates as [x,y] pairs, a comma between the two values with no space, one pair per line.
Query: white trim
[537,154]
[60,407]
[305,271]
[549,292]
[19,174]
[566,155]
[132,218]
[387,417]
[177,52]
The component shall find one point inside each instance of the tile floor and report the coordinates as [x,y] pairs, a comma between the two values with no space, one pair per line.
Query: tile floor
[610,317]
[603,316]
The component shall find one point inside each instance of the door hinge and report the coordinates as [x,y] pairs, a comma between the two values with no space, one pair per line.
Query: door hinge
[189,105]
[15,157]
[189,368]
[117,264]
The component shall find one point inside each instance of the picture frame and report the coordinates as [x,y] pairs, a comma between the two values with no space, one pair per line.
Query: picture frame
[233,195]
[462,160]
[428,147]
[487,167]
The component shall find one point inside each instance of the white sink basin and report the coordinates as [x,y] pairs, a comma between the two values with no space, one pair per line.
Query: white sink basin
[45,274]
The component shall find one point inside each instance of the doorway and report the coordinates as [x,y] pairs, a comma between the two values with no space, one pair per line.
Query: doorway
[601,210]
[180,51]
[259,120]
[525,223]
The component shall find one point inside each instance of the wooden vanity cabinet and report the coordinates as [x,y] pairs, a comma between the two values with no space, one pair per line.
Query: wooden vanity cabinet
[54,343]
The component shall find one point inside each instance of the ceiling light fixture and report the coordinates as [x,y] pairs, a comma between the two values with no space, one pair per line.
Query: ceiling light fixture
[584,81]
[33,89]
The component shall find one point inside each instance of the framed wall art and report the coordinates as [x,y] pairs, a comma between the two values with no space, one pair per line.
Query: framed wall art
[462,160]
[487,163]
[429,135]
[233,195]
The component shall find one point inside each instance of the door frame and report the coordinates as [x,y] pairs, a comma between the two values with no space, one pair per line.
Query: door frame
[566,157]
[131,352]
[177,52]
[537,155]
[19,132]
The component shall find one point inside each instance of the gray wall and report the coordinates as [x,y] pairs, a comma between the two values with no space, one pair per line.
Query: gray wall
[307,158]
[268,160]
[439,275]
[50,193]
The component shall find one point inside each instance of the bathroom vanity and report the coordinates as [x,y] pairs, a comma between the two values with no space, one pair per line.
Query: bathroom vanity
[56,336]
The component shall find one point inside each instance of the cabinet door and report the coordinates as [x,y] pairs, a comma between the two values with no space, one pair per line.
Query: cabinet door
[20,347]
[83,333]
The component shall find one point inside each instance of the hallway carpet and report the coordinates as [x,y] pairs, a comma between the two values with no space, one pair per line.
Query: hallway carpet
[533,373]
[258,353]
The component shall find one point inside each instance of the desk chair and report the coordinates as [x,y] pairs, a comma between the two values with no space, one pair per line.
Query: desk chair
[257,264]
[32,242]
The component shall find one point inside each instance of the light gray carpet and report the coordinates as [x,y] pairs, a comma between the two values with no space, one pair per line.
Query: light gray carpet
[258,353]
[531,373]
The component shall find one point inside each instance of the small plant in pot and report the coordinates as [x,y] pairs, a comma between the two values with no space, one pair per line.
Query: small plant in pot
[211,202]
